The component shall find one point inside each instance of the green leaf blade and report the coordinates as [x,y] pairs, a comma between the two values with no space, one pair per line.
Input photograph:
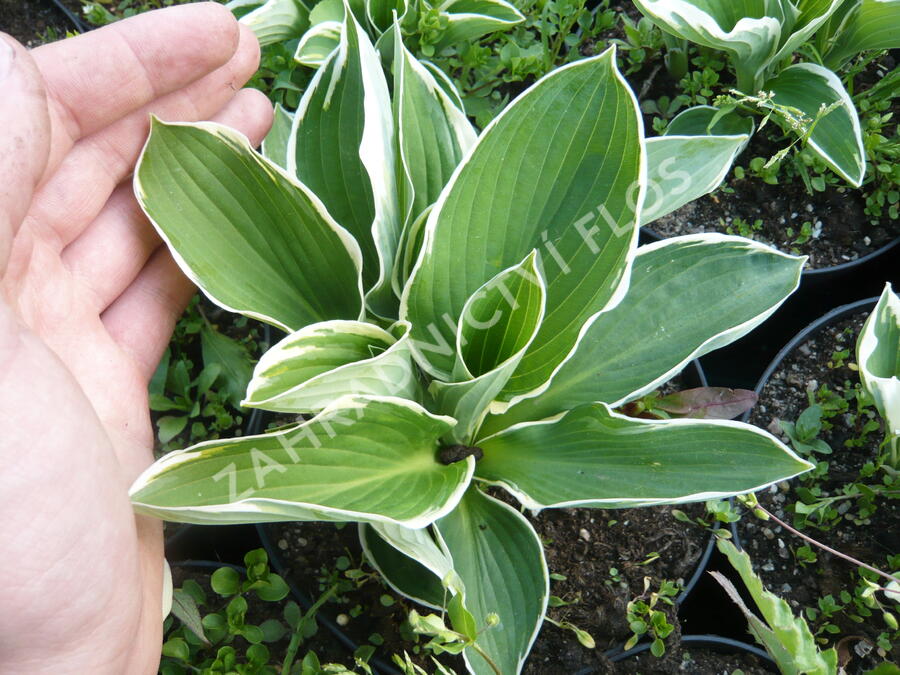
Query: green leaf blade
[364,459]
[836,137]
[255,241]
[592,456]
[680,305]
[315,366]
[500,560]
[522,187]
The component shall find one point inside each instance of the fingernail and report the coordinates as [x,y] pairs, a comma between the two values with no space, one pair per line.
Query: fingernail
[7,57]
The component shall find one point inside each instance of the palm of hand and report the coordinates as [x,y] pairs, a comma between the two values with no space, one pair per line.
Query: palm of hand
[88,297]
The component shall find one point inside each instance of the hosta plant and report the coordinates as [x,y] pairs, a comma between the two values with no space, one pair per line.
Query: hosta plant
[460,313]
[432,26]
[878,357]
[760,38]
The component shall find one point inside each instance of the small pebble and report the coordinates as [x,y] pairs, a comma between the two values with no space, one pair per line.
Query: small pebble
[301,541]
[342,619]
[867,241]
[784,486]
[282,544]
[786,588]
[768,567]
[804,349]
[584,535]
[767,533]
[809,208]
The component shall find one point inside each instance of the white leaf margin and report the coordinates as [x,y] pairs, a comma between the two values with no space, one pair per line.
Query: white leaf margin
[885,390]
[362,328]
[431,224]
[713,343]
[236,138]
[262,510]
[536,506]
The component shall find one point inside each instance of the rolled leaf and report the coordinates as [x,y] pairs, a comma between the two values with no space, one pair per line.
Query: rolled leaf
[878,356]
[560,171]
[253,239]
[277,21]
[318,43]
[471,19]
[497,325]
[318,364]
[836,138]
[363,459]
[500,560]
[342,147]
[688,296]
[592,456]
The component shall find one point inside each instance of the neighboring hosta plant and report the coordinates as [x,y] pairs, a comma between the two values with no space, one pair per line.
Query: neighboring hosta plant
[319,24]
[760,37]
[461,312]
[878,356]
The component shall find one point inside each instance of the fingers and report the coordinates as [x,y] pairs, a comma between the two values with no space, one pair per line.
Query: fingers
[142,317]
[73,196]
[95,79]
[108,256]
[24,138]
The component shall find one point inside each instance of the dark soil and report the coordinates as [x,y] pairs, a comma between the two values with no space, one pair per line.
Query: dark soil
[772,549]
[30,20]
[583,545]
[310,553]
[688,658]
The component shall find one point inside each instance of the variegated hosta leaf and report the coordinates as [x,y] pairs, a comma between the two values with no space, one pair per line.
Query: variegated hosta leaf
[741,28]
[470,19]
[560,171]
[813,15]
[681,304]
[683,166]
[277,21]
[411,561]
[870,24]
[878,356]
[706,120]
[318,43]
[380,13]
[592,456]
[318,364]
[500,560]
[342,147]
[275,144]
[433,133]
[366,459]
[254,240]
[497,325]
[836,137]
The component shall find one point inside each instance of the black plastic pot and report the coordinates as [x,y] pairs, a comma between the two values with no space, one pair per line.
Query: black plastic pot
[833,316]
[741,363]
[73,18]
[706,642]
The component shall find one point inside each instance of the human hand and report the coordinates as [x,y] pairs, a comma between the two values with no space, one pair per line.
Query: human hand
[88,300]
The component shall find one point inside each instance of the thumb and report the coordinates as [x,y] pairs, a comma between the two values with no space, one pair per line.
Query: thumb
[24,138]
